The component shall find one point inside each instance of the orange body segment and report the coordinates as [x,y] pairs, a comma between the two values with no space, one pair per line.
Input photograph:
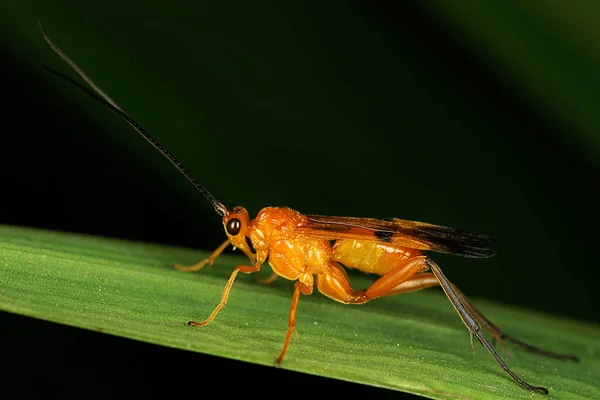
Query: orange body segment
[371,257]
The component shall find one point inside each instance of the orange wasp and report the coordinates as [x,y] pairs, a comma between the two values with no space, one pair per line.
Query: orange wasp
[314,249]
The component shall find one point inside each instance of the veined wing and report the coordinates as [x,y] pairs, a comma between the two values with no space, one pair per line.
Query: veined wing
[410,234]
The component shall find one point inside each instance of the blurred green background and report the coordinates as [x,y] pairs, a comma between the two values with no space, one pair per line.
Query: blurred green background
[477,115]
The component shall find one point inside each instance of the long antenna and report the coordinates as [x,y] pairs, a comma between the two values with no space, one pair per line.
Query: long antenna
[113,106]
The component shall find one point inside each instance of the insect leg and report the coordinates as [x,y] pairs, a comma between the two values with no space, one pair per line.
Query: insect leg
[473,327]
[246,269]
[499,335]
[401,279]
[417,282]
[272,278]
[300,288]
[426,279]
[207,261]
[336,285]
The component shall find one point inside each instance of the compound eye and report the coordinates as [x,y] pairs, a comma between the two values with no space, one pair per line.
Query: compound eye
[234,226]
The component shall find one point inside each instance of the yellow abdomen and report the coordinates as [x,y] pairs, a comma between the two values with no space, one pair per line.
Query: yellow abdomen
[370,257]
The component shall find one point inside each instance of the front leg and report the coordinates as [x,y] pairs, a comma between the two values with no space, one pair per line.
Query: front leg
[246,269]
[207,261]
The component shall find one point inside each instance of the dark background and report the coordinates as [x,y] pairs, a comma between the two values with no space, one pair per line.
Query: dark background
[467,115]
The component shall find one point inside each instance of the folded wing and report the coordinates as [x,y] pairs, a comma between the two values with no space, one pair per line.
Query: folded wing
[411,234]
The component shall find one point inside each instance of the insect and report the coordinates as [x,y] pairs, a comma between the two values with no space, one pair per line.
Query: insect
[314,250]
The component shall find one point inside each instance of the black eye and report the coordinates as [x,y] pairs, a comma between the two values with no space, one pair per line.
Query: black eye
[233,226]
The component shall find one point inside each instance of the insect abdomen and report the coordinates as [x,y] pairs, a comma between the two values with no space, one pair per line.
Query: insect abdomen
[370,257]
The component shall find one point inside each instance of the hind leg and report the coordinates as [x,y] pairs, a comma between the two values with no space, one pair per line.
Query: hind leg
[406,278]
[336,285]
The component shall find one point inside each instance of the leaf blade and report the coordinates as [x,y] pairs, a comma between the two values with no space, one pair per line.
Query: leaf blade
[411,343]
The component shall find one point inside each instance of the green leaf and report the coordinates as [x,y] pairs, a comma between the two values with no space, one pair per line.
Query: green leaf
[413,343]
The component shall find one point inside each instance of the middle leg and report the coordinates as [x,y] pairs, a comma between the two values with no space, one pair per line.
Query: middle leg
[300,288]
[246,269]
